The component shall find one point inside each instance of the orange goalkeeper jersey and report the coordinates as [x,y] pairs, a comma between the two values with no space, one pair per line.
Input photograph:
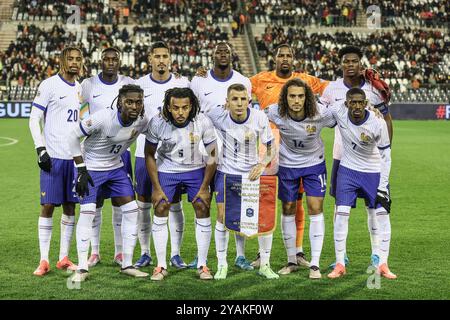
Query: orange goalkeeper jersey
[267,86]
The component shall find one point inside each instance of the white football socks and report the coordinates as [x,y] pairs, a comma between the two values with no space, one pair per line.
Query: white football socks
[67,226]
[384,225]
[84,231]
[129,231]
[372,225]
[45,227]
[289,232]
[144,226]
[96,228]
[221,236]
[240,245]
[203,238]
[265,246]
[316,235]
[117,228]
[176,228]
[160,235]
[340,234]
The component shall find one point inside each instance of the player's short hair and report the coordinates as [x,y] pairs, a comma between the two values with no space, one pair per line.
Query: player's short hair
[126,89]
[113,49]
[283,45]
[353,91]
[222,43]
[159,44]
[236,87]
[63,65]
[350,49]
[180,93]
[310,102]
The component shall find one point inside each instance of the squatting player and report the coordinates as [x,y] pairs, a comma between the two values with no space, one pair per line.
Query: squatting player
[155,85]
[109,133]
[364,169]
[240,129]
[180,129]
[58,103]
[301,158]
[100,92]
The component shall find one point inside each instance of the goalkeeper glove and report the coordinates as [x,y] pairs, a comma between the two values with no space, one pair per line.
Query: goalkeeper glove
[44,160]
[82,187]
[384,199]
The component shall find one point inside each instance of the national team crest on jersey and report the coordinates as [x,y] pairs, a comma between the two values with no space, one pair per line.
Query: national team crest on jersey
[250,206]
[249,135]
[193,138]
[365,139]
[310,129]
[134,133]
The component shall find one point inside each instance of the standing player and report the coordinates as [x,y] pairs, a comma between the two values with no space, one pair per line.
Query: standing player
[180,129]
[100,92]
[336,91]
[109,133]
[211,92]
[363,170]
[155,85]
[240,128]
[267,86]
[300,121]
[57,104]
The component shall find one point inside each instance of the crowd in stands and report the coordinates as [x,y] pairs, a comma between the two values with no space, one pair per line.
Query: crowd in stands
[303,12]
[428,13]
[401,54]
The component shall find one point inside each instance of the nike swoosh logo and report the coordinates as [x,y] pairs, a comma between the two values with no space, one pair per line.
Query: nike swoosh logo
[342,127]
[267,88]
[323,190]
[62,97]
[148,95]
[166,139]
[96,96]
[283,129]
[338,99]
[84,240]
[109,137]
[207,93]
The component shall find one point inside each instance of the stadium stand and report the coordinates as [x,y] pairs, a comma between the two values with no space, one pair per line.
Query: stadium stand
[413,57]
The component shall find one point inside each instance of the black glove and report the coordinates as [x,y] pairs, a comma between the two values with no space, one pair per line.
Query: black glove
[83,179]
[384,199]
[44,160]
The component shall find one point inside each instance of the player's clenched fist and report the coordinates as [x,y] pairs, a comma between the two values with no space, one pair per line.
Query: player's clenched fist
[83,179]
[256,172]
[44,160]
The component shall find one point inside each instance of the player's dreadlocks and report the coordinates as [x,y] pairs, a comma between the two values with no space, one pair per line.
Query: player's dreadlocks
[63,60]
[124,90]
[310,102]
[180,93]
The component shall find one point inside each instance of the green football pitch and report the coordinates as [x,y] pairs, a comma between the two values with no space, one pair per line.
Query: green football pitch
[420,255]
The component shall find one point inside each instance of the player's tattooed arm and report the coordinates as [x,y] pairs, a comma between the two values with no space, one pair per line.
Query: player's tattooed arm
[258,169]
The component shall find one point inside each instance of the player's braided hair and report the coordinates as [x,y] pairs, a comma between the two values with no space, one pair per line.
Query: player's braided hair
[63,60]
[310,102]
[180,93]
[123,91]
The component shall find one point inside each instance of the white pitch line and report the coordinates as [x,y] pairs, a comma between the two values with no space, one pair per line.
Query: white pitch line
[12,141]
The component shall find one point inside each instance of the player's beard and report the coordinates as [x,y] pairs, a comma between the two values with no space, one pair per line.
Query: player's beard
[223,66]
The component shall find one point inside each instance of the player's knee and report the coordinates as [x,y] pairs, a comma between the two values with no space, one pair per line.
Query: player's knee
[315,208]
[47,210]
[162,210]
[201,211]
[289,208]
[69,209]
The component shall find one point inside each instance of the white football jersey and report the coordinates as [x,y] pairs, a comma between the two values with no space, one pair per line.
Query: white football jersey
[107,138]
[100,94]
[60,101]
[179,150]
[154,92]
[212,92]
[335,92]
[239,152]
[300,143]
[361,142]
